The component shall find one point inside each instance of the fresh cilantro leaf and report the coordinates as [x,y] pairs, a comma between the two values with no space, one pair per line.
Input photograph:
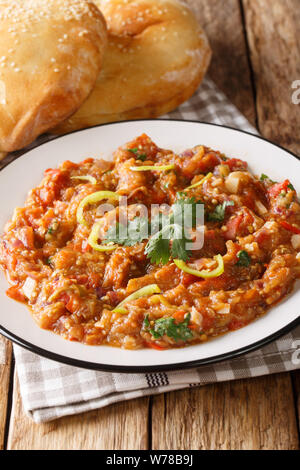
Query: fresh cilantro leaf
[139,156]
[168,327]
[244,259]
[179,251]
[135,232]
[158,249]
[179,241]
[219,213]
[171,228]
[146,323]
[266,177]
[49,262]
[53,227]
[291,187]
[185,211]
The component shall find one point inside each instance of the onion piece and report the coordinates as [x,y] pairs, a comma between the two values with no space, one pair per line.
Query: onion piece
[29,288]
[296,242]
[262,210]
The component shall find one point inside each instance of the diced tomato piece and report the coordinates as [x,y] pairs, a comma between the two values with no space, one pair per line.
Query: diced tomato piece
[223,282]
[277,188]
[14,293]
[179,316]
[154,346]
[113,297]
[87,160]
[233,227]
[27,237]
[187,279]
[262,236]
[64,298]
[290,228]
[207,323]
[68,165]
[94,280]
[236,164]
[72,304]
[208,162]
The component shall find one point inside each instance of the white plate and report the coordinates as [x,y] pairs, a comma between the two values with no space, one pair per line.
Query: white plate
[25,173]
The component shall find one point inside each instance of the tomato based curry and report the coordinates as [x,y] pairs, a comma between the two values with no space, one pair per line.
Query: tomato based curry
[67,261]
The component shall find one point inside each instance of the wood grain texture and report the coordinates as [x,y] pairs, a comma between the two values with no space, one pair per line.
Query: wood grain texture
[121,426]
[273,28]
[229,68]
[254,414]
[5,364]
[296,384]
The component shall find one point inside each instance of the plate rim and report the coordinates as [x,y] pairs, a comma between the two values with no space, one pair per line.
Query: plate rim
[162,367]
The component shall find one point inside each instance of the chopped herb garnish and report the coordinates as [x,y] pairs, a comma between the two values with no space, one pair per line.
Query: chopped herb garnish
[220,211]
[146,323]
[168,327]
[243,259]
[49,262]
[169,239]
[138,156]
[173,228]
[158,249]
[136,231]
[266,177]
[291,187]
[53,227]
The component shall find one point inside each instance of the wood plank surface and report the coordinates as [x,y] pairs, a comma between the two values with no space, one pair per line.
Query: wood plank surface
[273,29]
[248,414]
[121,426]
[5,364]
[296,385]
[229,68]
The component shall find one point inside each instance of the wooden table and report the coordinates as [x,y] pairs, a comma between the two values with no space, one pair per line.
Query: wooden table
[256,47]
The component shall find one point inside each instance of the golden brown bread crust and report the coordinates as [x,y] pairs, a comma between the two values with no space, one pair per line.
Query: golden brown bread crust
[51,52]
[156,57]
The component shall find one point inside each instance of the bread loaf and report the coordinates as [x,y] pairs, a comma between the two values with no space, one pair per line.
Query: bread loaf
[51,52]
[156,57]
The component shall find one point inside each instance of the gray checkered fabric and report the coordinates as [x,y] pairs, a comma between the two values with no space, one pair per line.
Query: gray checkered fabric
[51,390]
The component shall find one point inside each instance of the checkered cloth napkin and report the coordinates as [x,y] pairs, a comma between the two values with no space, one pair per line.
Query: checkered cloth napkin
[51,390]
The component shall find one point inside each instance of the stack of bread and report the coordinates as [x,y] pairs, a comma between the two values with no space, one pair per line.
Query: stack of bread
[71,64]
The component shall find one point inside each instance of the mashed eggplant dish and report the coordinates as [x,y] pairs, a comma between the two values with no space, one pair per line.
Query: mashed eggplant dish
[102,251]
